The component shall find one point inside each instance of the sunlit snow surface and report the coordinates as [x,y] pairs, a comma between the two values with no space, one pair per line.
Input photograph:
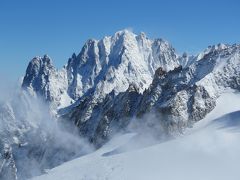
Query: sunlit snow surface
[208,151]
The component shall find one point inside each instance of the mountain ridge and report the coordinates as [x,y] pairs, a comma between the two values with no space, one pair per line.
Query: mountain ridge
[121,83]
[180,97]
[103,64]
[183,89]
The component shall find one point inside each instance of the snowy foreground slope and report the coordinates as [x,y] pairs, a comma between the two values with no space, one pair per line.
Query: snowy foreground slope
[209,151]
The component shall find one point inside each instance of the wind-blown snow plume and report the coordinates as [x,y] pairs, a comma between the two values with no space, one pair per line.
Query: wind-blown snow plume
[32,140]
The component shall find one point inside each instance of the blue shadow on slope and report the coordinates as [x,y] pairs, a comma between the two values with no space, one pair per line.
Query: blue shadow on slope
[229,121]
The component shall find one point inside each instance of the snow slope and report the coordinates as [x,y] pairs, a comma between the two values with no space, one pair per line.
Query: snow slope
[209,151]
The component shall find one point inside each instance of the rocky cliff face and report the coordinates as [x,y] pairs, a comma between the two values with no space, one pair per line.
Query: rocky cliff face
[178,97]
[126,76]
[43,79]
[119,83]
[112,63]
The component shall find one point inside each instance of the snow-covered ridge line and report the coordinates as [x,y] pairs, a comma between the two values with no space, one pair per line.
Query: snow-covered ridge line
[99,82]
[112,63]
[176,99]
[123,82]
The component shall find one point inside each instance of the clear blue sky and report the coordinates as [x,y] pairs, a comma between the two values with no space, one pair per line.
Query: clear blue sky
[60,27]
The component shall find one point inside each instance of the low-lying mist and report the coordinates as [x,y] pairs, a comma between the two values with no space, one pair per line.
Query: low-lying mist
[209,150]
[32,139]
[218,131]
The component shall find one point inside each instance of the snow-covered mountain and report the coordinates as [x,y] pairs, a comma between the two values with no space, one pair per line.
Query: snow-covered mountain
[112,63]
[121,83]
[178,97]
[127,76]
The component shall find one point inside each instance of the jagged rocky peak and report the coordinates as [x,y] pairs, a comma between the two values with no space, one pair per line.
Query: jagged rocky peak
[216,49]
[88,51]
[37,71]
[112,63]
[39,63]
[219,46]
[43,79]
[180,96]
[162,44]
[123,34]
[143,35]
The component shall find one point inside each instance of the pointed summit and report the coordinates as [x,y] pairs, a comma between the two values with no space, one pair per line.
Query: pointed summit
[112,63]
[124,32]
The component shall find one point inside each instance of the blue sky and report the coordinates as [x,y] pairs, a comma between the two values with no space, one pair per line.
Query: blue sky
[60,27]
